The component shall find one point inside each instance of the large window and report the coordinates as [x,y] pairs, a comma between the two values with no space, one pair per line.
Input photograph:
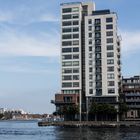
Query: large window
[76,63]
[75,36]
[97,21]
[75,70]
[66,10]
[66,16]
[66,84]
[75,29]
[76,84]
[66,30]
[64,57]
[75,22]
[75,77]
[111,68]
[109,33]
[68,36]
[66,23]
[66,70]
[110,54]
[109,47]
[75,9]
[109,26]
[109,40]
[66,43]
[110,61]
[67,64]
[76,49]
[110,76]
[111,91]
[111,83]
[76,56]
[110,19]
[67,77]
[76,42]
[66,50]
[75,16]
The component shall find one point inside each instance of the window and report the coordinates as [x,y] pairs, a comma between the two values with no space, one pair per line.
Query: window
[67,64]
[64,57]
[66,43]
[66,84]
[97,35]
[109,33]
[65,50]
[97,21]
[66,23]
[98,55]
[90,69]
[75,35]
[98,41]
[110,76]
[76,63]
[90,76]
[66,10]
[89,21]
[97,28]
[66,17]
[109,19]
[111,91]
[110,68]
[90,91]
[75,42]
[111,83]
[98,69]
[75,29]
[75,23]
[75,77]
[65,30]
[75,9]
[67,77]
[75,70]
[90,48]
[98,84]
[110,61]
[66,36]
[90,35]
[90,84]
[66,70]
[76,56]
[98,77]
[90,41]
[109,26]
[90,55]
[90,28]
[98,62]
[75,49]
[110,54]
[109,47]
[75,16]
[98,48]
[90,62]
[75,84]
[109,40]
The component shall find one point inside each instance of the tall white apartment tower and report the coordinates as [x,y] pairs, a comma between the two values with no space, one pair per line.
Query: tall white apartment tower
[102,56]
[72,48]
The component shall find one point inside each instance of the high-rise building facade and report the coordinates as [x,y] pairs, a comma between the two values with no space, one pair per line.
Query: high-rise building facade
[90,55]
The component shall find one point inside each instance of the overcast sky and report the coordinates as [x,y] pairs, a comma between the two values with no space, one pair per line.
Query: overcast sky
[30,49]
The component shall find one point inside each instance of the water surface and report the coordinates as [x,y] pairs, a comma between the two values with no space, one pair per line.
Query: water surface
[29,130]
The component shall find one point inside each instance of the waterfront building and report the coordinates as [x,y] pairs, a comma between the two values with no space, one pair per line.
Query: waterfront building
[90,56]
[131,94]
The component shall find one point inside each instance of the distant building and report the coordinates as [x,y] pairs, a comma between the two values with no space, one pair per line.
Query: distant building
[131,94]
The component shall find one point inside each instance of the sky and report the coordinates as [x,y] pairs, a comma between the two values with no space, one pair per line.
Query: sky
[30,49]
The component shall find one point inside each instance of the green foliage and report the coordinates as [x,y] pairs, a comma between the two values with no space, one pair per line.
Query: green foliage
[123,108]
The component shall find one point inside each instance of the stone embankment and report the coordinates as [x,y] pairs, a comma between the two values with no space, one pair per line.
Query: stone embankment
[92,124]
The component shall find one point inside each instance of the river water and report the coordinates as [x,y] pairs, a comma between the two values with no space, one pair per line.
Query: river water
[29,130]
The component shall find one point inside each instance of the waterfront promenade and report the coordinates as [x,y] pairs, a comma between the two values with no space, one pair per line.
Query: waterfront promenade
[93,124]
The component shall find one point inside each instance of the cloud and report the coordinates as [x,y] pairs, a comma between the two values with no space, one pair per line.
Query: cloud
[16,44]
[130,42]
[49,18]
